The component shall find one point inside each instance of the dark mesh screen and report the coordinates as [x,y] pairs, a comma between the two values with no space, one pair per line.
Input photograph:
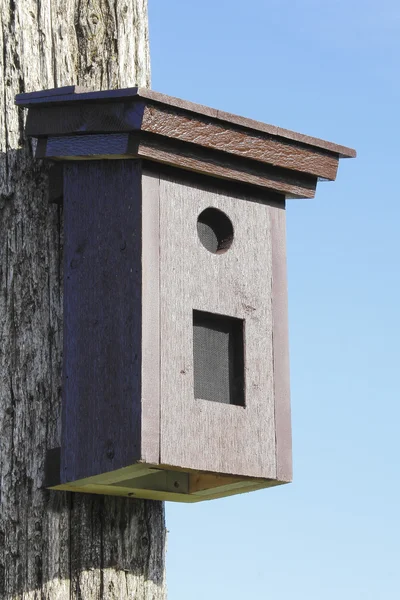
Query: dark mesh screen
[218,358]
[208,237]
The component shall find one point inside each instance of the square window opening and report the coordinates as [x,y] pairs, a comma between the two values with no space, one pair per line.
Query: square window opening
[218,357]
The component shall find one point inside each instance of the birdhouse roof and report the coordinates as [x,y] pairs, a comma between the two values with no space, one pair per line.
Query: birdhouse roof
[72,122]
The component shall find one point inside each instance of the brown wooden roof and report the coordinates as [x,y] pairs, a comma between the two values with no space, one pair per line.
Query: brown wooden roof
[136,122]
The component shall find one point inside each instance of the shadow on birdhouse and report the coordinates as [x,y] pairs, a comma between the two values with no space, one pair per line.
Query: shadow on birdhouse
[176,370]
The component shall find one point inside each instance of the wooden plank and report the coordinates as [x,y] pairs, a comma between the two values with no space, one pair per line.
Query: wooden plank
[239,141]
[281,345]
[226,117]
[229,490]
[234,189]
[102,318]
[237,486]
[73,94]
[95,146]
[109,490]
[202,482]
[28,100]
[159,480]
[221,165]
[185,156]
[215,494]
[196,129]
[84,118]
[150,451]
[113,477]
[145,481]
[65,91]
[200,434]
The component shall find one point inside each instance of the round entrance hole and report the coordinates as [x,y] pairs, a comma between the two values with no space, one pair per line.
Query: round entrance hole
[215,230]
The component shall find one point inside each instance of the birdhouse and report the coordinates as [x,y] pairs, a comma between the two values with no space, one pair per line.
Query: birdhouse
[175,368]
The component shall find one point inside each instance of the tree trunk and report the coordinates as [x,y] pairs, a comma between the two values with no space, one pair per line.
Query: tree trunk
[55,545]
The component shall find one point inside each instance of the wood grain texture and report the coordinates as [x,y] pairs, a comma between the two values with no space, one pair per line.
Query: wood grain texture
[118,117]
[150,423]
[243,142]
[73,96]
[177,154]
[161,483]
[220,165]
[54,546]
[212,494]
[95,147]
[145,481]
[102,318]
[199,434]
[85,117]
[281,345]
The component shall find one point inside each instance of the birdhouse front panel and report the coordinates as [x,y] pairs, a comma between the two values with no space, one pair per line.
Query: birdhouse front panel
[216,331]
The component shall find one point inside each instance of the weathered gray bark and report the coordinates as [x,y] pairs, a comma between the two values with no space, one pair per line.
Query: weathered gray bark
[54,545]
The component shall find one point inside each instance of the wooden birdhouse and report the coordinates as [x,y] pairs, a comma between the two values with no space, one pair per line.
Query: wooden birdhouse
[176,373]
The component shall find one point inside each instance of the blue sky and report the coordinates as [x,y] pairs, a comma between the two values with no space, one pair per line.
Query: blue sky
[328,69]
